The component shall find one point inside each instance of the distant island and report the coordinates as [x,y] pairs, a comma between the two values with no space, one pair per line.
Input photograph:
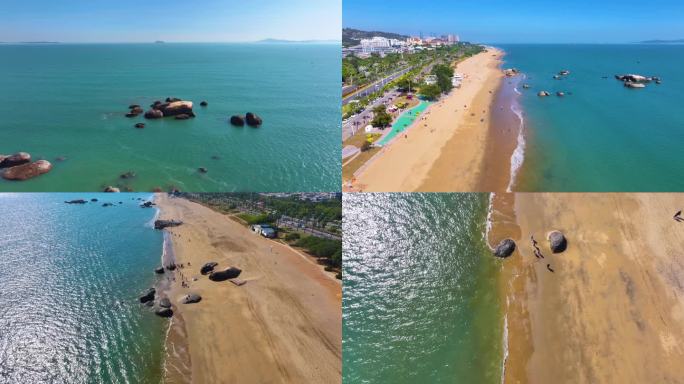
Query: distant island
[351,36]
[39,42]
[281,41]
[675,41]
[159,42]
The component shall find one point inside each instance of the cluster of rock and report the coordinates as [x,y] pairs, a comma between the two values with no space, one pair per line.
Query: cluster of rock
[557,243]
[561,74]
[180,109]
[637,81]
[19,166]
[511,72]
[147,204]
[161,224]
[163,308]
[546,93]
[250,119]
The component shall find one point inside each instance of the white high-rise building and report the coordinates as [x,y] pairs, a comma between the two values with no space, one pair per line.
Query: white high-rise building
[376,44]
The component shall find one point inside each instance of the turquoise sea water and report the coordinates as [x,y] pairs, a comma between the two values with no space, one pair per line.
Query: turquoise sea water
[420,296]
[602,137]
[404,121]
[71,276]
[70,100]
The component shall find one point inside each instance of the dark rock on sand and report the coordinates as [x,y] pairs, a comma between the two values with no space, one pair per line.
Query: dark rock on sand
[27,171]
[154,114]
[252,119]
[159,270]
[204,103]
[140,125]
[171,267]
[77,201]
[208,267]
[237,121]
[161,224]
[557,241]
[148,296]
[192,298]
[164,312]
[16,159]
[165,303]
[112,189]
[505,248]
[228,273]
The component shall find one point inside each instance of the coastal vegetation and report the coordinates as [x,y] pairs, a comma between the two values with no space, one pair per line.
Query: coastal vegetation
[381,118]
[327,250]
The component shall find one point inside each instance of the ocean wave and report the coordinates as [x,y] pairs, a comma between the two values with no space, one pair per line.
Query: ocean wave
[504,342]
[518,155]
[488,223]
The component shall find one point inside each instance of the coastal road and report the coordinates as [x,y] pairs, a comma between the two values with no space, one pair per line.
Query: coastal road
[376,86]
[361,120]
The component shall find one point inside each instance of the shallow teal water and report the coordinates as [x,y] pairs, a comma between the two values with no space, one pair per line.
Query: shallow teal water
[70,278]
[70,100]
[420,293]
[603,137]
[404,121]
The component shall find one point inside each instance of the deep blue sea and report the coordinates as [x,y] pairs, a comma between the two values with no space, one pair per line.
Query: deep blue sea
[70,276]
[601,136]
[69,101]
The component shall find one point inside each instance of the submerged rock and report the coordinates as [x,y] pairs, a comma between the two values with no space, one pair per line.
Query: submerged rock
[204,103]
[77,201]
[27,171]
[16,159]
[505,248]
[237,121]
[560,94]
[208,267]
[557,241]
[543,94]
[192,298]
[228,273]
[148,296]
[111,189]
[140,125]
[202,170]
[164,312]
[182,116]
[154,114]
[253,120]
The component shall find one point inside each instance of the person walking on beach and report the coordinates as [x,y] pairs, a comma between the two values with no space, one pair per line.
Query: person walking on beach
[678,216]
[548,266]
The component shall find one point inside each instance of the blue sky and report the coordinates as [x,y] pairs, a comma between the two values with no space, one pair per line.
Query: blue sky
[169,20]
[525,21]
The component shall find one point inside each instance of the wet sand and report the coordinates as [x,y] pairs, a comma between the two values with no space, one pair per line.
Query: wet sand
[445,151]
[283,326]
[613,309]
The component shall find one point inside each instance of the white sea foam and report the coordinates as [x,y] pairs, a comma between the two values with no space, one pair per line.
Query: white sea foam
[505,348]
[488,225]
[518,155]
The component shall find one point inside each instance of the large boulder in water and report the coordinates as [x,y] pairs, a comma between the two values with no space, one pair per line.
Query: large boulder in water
[505,248]
[159,270]
[192,298]
[148,296]
[208,267]
[237,121]
[557,241]
[27,171]
[164,312]
[154,114]
[253,120]
[165,303]
[16,159]
[228,273]
[176,108]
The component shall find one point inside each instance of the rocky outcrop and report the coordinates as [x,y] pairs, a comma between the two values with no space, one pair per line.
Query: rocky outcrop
[159,270]
[13,160]
[634,78]
[204,103]
[161,224]
[175,108]
[208,267]
[543,94]
[147,204]
[505,248]
[148,295]
[253,120]
[165,303]
[557,241]
[510,72]
[111,189]
[154,114]
[228,273]
[192,298]
[77,201]
[564,72]
[164,312]
[27,171]
[237,121]
[140,125]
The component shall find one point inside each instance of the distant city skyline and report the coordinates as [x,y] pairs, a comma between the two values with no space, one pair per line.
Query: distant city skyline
[531,21]
[88,21]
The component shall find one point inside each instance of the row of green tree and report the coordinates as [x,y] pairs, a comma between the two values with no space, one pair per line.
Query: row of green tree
[319,247]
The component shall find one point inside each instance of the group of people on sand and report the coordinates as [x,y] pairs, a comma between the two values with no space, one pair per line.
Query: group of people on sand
[538,254]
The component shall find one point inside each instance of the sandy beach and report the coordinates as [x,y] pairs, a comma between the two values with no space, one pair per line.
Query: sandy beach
[612,309]
[445,151]
[283,326]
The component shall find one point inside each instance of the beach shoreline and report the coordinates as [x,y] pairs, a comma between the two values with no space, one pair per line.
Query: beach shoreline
[609,307]
[446,152]
[282,325]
